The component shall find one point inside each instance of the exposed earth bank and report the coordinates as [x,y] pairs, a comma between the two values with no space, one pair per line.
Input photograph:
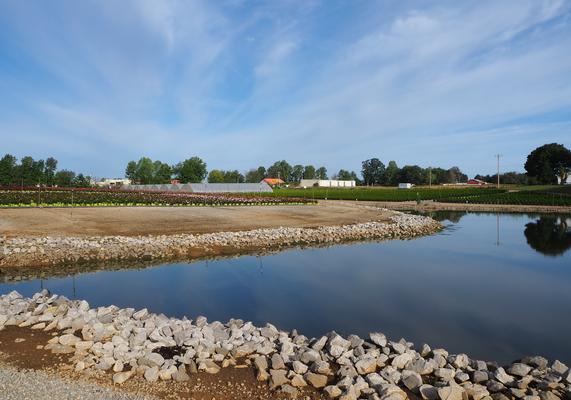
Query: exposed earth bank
[316,225]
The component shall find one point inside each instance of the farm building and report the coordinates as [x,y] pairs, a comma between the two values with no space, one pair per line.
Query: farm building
[112,182]
[476,182]
[326,183]
[405,185]
[261,187]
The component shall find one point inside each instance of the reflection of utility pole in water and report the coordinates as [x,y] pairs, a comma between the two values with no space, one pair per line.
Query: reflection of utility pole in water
[497,229]
[260,265]
[73,282]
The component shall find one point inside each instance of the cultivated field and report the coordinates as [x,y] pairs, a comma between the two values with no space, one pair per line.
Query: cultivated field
[516,195]
[90,197]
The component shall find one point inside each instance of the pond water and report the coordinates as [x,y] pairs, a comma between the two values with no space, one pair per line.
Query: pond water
[495,286]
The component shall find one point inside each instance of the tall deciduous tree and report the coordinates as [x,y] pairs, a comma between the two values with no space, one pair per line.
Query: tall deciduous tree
[215,176]
[455,175]
[162,172]
[8,170]
[297,173]
[412,174]
[345,175]
[309,172]
[321,173]
[65,178]
[373,171]
[255,175]
[192,170]
[131,171]
[280,169]
[391,173]
[50,171]
[549,162]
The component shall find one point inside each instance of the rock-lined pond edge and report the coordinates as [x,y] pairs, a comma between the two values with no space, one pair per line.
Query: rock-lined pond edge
[61,250]
[132,344]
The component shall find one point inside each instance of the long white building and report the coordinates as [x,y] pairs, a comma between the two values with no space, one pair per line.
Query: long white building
[326,183]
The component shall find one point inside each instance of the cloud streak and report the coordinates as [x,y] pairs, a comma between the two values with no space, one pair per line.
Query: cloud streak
[241,85]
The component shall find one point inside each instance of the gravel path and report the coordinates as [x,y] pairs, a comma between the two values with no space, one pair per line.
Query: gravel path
[23,385]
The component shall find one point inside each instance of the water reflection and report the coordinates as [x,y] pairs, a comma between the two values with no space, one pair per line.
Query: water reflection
[456,289]
[549,235]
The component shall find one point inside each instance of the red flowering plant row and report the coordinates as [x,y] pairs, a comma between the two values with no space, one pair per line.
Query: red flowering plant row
[61,197]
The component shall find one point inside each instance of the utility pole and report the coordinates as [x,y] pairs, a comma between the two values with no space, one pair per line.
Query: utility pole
[429,177]
[498,157]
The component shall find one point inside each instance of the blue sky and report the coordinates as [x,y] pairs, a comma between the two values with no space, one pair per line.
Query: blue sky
[244,83]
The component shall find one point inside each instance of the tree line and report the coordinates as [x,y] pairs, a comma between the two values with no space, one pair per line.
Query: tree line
[547,164]
[30,172]
[375,173]
[193,170]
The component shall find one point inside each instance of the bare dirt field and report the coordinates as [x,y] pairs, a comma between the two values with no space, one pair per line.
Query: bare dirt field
[133,221]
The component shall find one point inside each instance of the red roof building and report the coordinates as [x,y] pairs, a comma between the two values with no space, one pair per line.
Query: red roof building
[273,181]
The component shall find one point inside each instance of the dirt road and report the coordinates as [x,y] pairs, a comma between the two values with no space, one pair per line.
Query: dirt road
[132,221]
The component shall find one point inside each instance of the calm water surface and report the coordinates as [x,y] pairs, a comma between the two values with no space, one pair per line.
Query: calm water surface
[496,286]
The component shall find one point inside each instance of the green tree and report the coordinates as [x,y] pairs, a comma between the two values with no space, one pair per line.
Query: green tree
[373,171]
[131,171]
[321,173]
[162,172]
[192,170]
[309,172]
[215,176]
[345,175]
[25,171]
[145,171]
[280,169]
[412,174]
[392,173]
[255,175]
[439,175]
[81,181]
[296,173]
[64,178]
[455,175]
[549,162]
[50,171]
[233,177]
[8,165]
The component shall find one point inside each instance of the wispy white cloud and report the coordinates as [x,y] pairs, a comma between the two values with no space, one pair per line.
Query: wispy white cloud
[172,79]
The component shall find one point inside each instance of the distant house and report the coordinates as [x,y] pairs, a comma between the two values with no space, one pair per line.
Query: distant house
[273,181]
[326,183]
[113,182]
[405,185]
[476,182]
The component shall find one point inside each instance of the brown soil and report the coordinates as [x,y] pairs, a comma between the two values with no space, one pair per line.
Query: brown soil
[229,384]
[133,221]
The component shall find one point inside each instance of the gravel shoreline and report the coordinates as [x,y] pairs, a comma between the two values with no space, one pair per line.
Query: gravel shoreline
[22,385]
[50,251]
[140,345]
